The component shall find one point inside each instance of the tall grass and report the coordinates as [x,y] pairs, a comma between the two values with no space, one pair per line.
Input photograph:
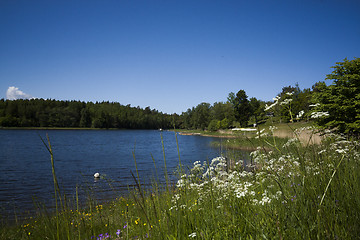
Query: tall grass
[289,190]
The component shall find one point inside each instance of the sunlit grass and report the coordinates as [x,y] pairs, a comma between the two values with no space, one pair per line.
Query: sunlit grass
[289,190]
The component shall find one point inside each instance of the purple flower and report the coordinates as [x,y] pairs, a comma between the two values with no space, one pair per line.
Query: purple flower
[118,232]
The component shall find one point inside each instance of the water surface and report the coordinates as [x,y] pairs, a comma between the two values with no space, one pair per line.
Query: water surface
[26,168]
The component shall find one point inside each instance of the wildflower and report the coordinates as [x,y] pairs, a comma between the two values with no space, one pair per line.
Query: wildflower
[319,114]
[300,114]
[272,128]
[192,235]
[322,151]
[341,151]
[264,200]
[118,232]
[276,101]
[286,102]
[290,142]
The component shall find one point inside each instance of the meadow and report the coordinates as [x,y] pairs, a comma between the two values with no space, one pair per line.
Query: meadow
[290,189]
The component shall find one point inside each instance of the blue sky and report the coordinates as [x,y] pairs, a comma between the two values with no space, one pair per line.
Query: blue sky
[171,55]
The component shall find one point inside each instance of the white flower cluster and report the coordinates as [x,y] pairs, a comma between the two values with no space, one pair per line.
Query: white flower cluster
[255,187]
[276,101]
[319,114]
[261,133]
[291,142]
[286,101]
[262,182]
[273,128]
[300,114]
[192,235]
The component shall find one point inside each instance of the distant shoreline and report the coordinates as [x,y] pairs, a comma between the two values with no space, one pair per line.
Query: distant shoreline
[60,128]
[206,135]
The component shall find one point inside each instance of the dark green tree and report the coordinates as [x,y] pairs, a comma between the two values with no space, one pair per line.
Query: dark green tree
[201,116]
[85,120]
[257,109]
[339,103]
[242,108]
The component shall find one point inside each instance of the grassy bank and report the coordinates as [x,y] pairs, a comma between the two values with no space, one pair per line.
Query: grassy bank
[292,191]
[265,136]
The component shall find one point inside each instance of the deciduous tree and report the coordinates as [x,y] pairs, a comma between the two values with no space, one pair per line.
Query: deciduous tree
[339,103]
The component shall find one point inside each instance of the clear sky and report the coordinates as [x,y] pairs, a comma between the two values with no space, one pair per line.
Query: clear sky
[171,55]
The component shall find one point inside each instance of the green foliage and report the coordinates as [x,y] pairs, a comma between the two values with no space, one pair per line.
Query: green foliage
[291,105]
[206,116]
[257,109]
[242,108]
[75,114]
[221,110]
[213,125]
[224,124]
[339,103]
[201,116]
[216,124]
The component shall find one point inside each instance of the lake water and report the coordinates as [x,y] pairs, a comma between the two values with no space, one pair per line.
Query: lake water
[26,168]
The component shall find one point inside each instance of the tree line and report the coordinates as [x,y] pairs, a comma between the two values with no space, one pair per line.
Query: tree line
[77,114]
[241,111]
[334,106]
[237,111]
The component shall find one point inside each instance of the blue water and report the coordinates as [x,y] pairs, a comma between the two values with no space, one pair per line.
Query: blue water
[26,168]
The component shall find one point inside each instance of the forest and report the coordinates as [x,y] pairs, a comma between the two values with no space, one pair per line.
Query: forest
[238,111]
[333,106]
[77,114]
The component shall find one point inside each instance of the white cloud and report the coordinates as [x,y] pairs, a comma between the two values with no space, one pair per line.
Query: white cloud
[14,93]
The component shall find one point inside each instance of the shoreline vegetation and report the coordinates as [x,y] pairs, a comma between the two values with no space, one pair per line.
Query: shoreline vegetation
[244,139]
[290,189]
